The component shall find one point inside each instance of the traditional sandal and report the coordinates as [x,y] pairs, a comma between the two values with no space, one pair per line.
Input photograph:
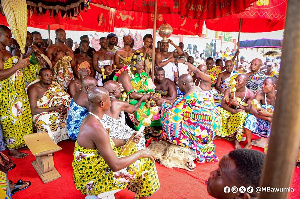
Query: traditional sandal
[18,186]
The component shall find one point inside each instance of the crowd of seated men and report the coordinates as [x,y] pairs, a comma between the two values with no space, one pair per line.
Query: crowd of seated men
[66,94]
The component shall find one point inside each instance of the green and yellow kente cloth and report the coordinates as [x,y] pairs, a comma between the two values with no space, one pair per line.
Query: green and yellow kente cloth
[214,73]
[93,176]
[142,84]
[15,112]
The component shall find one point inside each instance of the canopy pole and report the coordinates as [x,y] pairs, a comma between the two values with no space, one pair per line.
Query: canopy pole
[238,44]
[49,39]
[285,135]
[154,41]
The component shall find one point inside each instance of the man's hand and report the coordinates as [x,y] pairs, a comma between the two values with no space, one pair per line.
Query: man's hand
[171,42]
[146,153]
[237,110]
[23,62]
[135,137]
[233,102]
[145,97]
[61,109]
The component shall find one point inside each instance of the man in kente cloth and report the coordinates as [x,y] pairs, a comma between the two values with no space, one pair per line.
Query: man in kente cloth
[192,120]
[78,108]
[256,77]
[225,77]
[101,59]
[15,110]
[259,121]
[137,83]
[124,55]
[114,118]
[98,165]
[62,58]
[49,102]
[82,60]
[235,108]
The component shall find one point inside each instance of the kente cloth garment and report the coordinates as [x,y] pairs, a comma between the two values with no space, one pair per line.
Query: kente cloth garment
[232,123]
[225,82]
[2,143]
[143,84]
[256,81]
[93,176]
[75,116]
[31,72]
[98,76]
[120,130]
[192,122]
[5,192]
[170,68]
[62,72]
[84,65]
[15,112]
[259,127]
[53,122]
[214,73]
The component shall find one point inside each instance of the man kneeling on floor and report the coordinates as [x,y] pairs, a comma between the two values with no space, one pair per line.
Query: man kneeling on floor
[48,103]
[241,167]
[109,172]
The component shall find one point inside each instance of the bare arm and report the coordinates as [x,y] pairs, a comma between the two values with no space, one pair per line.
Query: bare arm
[95,62]
[218,84]
[100,138]
[6,73]
[72,89]
[172,93]
[117,60]
[198,73]
[124,79]
[179,50]
[130,108]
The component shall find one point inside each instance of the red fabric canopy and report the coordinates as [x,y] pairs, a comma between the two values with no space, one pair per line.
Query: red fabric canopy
[136,20]
[199,9]
[264,16]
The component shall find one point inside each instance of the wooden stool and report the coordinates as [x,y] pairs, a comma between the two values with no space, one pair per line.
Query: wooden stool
[43,147]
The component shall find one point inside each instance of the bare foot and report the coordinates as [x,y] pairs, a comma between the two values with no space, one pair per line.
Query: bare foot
[237,144]
[16,154]
[248,146]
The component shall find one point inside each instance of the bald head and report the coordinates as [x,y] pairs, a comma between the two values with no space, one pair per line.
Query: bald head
[186,78]
[88,82]
[243,77]
[97,95]
[255,65]
[110,85]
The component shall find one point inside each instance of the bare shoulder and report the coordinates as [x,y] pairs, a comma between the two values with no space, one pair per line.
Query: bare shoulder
[250,94]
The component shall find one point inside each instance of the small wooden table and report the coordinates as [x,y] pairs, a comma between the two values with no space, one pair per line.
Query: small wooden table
[43,147]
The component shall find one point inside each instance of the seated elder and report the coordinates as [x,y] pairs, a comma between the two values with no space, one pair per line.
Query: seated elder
[137,83]
[234,109]
[78,108]
[192,120]
[241,167]
[259,121]
[98,165]
[114,118]
[48,103]
[165,87]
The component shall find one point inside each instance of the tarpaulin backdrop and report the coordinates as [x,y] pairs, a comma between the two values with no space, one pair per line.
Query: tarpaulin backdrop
[263,16]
